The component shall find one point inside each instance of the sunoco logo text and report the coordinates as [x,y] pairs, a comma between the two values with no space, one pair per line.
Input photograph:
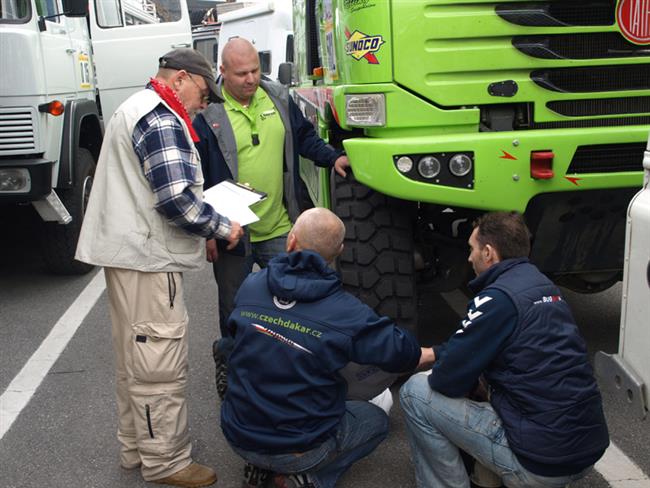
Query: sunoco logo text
[360,45]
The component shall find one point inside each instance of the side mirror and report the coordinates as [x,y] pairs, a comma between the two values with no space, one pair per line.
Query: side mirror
[285,73]
[75,8]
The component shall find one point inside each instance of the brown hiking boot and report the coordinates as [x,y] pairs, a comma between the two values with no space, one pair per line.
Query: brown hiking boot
[191,476]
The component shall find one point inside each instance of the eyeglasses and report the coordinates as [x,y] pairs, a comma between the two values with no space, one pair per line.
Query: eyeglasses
[205,94]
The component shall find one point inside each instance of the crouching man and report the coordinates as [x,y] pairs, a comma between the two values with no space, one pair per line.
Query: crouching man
[285,410]
[542,424]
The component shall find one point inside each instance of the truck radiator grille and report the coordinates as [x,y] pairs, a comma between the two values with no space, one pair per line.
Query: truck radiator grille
[16,131]
[602,106]
[526,64]
[607,158]
[558,14]
[575,124]
[594,78]
[579,46]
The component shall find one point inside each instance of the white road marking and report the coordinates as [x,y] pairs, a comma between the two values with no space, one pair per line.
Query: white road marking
[24,385]
[615,467]
[620,471]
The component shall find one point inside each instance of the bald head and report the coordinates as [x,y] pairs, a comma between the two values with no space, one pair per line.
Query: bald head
[240,69]
[318,230]
[237,47]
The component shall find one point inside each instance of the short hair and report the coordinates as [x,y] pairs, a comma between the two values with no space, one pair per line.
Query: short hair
[320,230]
[506,232]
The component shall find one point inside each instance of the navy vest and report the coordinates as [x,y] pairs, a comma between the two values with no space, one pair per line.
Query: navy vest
[542,385]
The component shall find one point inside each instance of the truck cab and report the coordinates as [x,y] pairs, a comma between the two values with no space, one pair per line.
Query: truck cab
[450,109]
[66,66]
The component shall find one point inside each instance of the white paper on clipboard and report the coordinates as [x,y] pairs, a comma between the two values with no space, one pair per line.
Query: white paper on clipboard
[232,200]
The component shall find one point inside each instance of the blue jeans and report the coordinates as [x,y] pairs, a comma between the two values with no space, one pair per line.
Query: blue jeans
[438,426]
[230,271]
[363,427]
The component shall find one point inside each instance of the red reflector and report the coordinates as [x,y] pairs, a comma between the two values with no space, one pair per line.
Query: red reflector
[541,165]
[55,108]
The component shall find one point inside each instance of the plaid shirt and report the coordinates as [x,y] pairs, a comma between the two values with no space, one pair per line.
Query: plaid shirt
[165,155]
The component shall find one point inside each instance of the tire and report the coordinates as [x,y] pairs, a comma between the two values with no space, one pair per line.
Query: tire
[60,241]
[589,283]
[377,264]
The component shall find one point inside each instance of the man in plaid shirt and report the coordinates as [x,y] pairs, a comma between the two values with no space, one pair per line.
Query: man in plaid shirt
[145,224]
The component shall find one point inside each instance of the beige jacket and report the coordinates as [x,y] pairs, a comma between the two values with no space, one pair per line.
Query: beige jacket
[121,228]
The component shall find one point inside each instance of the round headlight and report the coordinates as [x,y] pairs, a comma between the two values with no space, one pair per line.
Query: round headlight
[460,165]
[429,167]
[405,164]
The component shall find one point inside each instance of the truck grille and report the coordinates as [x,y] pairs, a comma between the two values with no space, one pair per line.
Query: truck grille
[558,63]
[602,106]
[579,46]
[558,14]
[17,135]
[607,158]
[594,78]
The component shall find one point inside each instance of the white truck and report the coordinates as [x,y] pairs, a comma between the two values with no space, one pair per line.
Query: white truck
[268,25]
[628,372]
[64,66]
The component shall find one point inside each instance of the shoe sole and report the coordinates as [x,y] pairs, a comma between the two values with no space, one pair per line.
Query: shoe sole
[196,484]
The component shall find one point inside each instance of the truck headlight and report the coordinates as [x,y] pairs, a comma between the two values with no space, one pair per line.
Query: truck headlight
[404,164]
[15,180]
[429,167]
[460,165]
[365,110]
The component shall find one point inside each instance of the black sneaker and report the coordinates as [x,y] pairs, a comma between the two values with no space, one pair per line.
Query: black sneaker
[255,477]
[221,373]
[300,480]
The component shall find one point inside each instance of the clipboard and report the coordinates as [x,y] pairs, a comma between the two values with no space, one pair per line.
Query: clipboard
[245,190]
[233,200]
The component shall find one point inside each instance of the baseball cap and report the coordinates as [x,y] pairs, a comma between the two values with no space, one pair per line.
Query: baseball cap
[193,62]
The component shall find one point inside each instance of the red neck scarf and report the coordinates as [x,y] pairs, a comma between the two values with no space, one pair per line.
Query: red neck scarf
[170,98]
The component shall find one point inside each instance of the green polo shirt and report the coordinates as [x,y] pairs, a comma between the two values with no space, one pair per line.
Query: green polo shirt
[261,165]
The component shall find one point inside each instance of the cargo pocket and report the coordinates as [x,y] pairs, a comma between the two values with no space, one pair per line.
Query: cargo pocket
[161,424]
[159,352]
[180,242]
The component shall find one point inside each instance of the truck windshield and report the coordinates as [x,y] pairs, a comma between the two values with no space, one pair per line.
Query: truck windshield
[14,11]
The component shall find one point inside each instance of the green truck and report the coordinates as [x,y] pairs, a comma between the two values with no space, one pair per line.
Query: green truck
[448,109]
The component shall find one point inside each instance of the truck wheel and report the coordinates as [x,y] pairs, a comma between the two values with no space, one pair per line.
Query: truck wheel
[377,261]
[589,282]
[60,241]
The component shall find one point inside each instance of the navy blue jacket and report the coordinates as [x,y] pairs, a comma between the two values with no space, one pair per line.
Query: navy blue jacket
[299,135]
[295,328]
[308,144]
[521,335]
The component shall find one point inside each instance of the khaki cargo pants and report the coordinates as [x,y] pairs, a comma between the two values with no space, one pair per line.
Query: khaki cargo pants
[150,343]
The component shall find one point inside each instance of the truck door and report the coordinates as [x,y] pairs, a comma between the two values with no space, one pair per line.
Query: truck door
[57,53]
[128,37]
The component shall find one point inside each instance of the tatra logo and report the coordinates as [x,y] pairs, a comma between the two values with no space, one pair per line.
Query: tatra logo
[633,18]
[360,45]
[283,303]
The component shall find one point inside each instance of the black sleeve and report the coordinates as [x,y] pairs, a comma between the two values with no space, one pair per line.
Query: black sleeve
[309,144]
[203,131]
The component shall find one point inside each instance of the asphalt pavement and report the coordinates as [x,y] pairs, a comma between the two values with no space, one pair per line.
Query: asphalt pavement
[65,435]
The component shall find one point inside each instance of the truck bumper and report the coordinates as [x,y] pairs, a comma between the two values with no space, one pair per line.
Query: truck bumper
[40,179]
[501,178]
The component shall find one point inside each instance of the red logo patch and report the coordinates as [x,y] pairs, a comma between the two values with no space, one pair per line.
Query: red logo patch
[633,18]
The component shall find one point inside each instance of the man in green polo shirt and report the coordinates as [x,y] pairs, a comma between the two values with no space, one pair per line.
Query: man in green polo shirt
[255,136]
[259,135]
